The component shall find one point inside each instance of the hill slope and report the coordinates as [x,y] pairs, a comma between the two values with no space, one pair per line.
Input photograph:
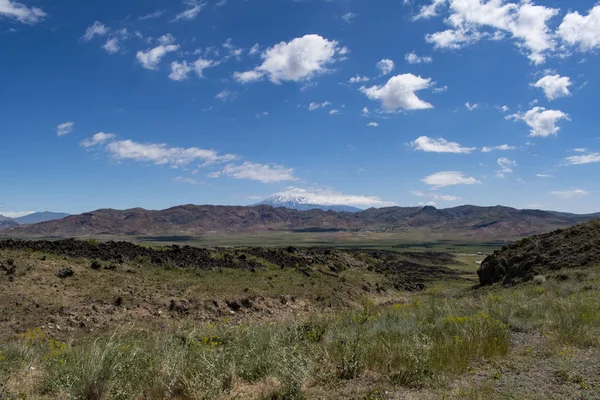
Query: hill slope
[464,221]
[6,222]
[578,246]
[38,217]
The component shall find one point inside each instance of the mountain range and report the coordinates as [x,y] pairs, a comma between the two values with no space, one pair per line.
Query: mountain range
[465,221]
[33,218]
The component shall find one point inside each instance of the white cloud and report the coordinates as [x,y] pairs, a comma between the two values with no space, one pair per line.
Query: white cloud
[554,86]
[373,124]
[472,20]
[449,178]
[181,70]
[335,111]
[503,108]
[20,12]
[385,66]
[429,10]
[154,15]
[315,106]
[15,214]
[581,31]
[190,14]
[189,181]
[435,196]
[160,154]
[112,45]
[65,128]
[96,29]
[298,60]
[580,150]
[330,197]
[254,49]
[470,106]
[150,58]
[570,193]
[98,138]
[583,159]
[412,58]
[544,176]
[439,145]
[225,95]
[399,93]
[365,111]
[348,17]
[506,166]
[440,89]
[541,121]
[502,147]
[265,173]
[359,79]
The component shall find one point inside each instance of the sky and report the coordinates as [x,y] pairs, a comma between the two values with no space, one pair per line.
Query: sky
[369,103]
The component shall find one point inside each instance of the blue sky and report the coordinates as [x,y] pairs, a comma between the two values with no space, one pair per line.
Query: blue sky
[157,103]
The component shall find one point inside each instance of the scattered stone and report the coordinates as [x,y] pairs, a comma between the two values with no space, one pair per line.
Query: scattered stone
[65,272]
[96,265]
[118,302]
[181,307]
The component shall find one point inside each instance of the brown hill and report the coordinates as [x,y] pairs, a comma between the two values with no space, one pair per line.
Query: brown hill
[465,221]
[574,247]
[6,222]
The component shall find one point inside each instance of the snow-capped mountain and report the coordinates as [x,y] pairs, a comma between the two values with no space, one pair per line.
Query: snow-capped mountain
[297,201]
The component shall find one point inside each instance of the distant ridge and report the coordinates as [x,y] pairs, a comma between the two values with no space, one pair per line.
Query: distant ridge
[6,222]
[40,217]
[482,223]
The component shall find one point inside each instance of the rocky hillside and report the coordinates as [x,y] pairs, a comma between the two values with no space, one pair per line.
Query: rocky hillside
[578,246]
[465,221]
[6,222]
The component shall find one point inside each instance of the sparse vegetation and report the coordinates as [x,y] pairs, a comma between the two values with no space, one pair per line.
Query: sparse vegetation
[316,336]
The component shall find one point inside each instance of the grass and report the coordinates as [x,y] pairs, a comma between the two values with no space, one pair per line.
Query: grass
[450,341]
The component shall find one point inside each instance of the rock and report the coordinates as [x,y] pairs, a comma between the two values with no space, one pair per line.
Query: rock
[65,272]
[96,265]
[118,302]
[181,307]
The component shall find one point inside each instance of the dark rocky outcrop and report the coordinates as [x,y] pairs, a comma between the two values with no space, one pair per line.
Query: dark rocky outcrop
[574,247]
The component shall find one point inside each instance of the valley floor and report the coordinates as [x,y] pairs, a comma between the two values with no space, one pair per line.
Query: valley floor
[135,330]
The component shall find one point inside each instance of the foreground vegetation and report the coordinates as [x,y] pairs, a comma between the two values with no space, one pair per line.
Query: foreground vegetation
[424,345]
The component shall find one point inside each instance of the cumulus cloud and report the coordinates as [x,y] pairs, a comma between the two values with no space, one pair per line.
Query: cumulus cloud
[434,196]
[506,166]
[473,20]
[329,197]
[399,93]
[190,14]
[581,31]
[298,60]
[181,70]
[554,86]
[439,145]
[570,193]
[583,159]
[315,106]
[98,138]
[541,121]
[359,79]
[161,154]
[544,176]
[65,128]
[373,124]
[112,45]
[502,147]
[265,173]
[20,12]
[385,66]
[412,58]
[150,58]
[449,178]
[96,29]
